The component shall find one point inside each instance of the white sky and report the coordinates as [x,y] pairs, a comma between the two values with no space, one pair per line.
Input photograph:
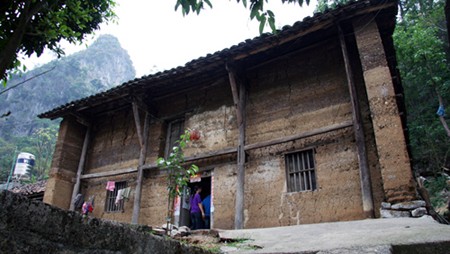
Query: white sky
[158,38]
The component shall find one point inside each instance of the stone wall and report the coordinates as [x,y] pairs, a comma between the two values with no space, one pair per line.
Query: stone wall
[34,227]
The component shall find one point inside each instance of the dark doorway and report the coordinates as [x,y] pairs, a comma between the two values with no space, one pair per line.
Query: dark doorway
[205,184]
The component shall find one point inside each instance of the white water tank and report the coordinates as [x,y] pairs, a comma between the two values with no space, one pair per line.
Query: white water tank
[24,162]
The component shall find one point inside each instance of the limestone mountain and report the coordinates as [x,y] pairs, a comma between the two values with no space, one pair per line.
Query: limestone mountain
[100,67]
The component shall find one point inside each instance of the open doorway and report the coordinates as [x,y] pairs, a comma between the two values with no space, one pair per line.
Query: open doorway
[203,181]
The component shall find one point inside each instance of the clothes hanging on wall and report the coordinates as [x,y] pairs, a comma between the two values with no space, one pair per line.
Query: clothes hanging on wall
[78,202]
[119,196]
[110,185]
[126,192]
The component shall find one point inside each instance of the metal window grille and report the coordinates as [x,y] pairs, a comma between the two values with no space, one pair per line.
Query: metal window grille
[300,171]
[110,204]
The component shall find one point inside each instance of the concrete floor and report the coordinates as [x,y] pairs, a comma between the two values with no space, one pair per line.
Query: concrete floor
[381,236]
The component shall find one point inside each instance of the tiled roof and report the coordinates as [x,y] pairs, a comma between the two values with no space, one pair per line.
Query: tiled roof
[30,189]
[244,49]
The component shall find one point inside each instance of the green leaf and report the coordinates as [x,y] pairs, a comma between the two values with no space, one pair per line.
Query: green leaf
[208,3]
[262,23]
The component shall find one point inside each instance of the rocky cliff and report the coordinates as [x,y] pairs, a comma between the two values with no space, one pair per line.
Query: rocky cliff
[103,65]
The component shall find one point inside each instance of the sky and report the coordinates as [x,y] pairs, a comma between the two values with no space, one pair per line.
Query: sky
[158,38]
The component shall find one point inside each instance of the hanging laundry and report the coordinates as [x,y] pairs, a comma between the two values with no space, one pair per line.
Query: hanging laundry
[119,196]
[110,185]
[78,202]
[126,192]
[87,208]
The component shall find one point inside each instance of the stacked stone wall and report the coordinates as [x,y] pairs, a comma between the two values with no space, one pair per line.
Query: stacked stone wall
[34,227]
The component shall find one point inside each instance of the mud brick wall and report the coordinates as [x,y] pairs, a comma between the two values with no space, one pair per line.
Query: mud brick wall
[114,143]
[34,227]
[65,163]
[389,137]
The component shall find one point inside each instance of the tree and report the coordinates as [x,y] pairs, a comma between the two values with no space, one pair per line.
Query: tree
[422,51]
[178,176]
[31,26]
[42,146]
[256,8]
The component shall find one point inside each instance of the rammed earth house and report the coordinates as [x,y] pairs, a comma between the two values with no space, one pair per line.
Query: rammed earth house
[304,126]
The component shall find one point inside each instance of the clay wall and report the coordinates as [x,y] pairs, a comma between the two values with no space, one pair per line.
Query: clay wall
[114,143]
[393,156]
[65,163]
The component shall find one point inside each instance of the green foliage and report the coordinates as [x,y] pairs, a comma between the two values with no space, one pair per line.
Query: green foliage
[256,9]
[178,176]
[31,26]
[323,5]
[437,187]
[7,158]
[422,53]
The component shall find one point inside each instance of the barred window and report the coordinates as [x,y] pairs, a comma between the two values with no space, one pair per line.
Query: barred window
[300,171]
[110,204]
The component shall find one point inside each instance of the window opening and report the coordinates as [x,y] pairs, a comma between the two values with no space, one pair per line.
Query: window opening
[300,171]
[174,131]
[110,204]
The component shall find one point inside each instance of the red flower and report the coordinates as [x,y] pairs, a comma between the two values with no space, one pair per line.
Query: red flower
[194,135]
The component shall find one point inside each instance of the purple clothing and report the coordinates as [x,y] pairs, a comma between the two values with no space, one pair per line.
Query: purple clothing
[194,203]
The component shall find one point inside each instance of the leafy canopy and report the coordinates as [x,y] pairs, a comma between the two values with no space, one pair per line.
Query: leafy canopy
[256,8]
[31,26]
[423,54]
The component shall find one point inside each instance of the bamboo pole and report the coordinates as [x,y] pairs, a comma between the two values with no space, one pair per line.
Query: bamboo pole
[366,189]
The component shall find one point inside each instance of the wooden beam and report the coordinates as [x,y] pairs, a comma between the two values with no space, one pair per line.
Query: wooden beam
[239,99]
[142,154]
[137,121]
[300,135]
[240,205]
[76,187]
[364,172]
[81,119]
[110,173]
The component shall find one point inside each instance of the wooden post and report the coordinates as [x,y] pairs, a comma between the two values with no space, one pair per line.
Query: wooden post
[366,189]
[137,121]
[239,101]
[76,187]
[142,154]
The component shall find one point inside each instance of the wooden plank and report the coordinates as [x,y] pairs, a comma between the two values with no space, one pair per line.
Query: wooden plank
[301,135]
[110,173]
[76,187]
[366,189]
[225,151]
[142,154]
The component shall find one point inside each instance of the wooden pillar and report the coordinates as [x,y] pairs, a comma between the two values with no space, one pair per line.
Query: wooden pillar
[240,104]
[393,156]
[76,187]
[143,140]
[364,172]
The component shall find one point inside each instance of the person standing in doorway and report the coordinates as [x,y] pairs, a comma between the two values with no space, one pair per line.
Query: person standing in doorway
[197,212]
[206,203]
